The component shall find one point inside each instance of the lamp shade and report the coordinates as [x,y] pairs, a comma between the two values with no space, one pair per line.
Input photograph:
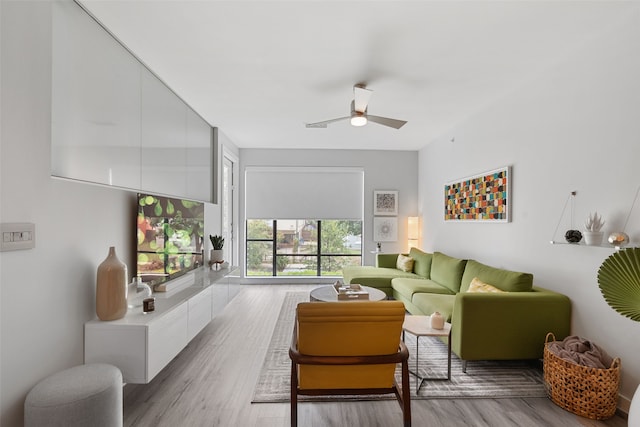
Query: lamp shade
[413,231]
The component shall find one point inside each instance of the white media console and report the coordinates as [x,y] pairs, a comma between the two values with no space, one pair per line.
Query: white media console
[141,345]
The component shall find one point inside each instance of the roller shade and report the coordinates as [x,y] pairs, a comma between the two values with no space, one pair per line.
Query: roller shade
[304,193]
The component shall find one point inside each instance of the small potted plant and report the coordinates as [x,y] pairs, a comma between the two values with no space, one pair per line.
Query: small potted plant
[593,234]
[217,243]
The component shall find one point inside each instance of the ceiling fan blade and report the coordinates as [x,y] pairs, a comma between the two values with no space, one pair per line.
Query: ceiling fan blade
[322,125]
[393,123]
[361,97]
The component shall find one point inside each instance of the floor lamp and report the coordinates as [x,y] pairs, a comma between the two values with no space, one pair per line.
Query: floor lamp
[413,232]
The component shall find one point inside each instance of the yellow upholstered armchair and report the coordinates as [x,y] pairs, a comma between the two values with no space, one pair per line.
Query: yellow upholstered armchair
[349,348]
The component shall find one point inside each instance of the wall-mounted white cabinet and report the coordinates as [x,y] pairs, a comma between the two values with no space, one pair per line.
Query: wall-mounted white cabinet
[163,138]
[200,164]
[95,102]
[114,122]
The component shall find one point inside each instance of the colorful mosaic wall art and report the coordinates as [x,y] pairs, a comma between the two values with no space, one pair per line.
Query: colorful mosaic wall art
[483,197]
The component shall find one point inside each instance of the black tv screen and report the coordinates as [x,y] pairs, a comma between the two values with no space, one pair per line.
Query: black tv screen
[170,236]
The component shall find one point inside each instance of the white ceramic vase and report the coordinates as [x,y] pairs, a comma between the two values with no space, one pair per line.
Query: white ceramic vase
[437,321]
[593,238]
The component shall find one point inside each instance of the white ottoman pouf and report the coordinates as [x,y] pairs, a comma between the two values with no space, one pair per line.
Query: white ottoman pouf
[85,395]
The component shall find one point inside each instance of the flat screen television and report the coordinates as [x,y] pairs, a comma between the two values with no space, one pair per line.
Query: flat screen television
[170,235]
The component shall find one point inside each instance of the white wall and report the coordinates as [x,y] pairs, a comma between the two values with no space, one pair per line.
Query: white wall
[383,170]
[575,127]
[47,293]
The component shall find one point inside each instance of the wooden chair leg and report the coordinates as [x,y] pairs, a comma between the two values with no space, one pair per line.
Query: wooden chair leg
[406,395]
[294,394]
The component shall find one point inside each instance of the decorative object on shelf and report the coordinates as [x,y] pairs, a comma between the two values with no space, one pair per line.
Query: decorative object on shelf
[619,281]
[148,305]
[385,202]
[620,238]
[217,243]
[138,291]
[484,197]
[111,288]
[593,226]
[385,229]
[436,320]
[573,236]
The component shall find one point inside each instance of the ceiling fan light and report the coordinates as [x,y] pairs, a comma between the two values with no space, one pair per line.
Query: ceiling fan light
[358,120]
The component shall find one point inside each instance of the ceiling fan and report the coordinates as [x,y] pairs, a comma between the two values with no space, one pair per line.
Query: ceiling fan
[359,116]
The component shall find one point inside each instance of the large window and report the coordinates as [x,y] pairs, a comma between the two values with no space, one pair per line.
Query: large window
[296,247]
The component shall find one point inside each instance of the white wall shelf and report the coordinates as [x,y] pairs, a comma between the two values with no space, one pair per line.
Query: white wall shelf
[605,246]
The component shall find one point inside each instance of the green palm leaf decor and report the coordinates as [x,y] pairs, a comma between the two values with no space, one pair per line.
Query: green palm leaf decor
[619,281]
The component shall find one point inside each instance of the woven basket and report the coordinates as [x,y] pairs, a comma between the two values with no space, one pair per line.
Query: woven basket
[585,391]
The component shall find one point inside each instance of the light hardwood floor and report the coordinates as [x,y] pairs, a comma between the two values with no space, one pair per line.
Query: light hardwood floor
[211,383]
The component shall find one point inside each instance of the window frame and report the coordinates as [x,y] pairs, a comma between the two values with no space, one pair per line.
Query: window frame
[319,255]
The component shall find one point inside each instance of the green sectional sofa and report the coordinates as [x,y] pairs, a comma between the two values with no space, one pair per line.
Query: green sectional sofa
[509,323]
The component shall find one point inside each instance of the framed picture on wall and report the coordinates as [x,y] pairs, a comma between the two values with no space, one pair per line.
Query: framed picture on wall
[385,229]
[484,197]
[385,202]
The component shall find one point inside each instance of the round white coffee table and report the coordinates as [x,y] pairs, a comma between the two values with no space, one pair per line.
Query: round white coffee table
[328,294]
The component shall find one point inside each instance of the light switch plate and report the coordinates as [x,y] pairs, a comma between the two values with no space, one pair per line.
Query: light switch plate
[17,236]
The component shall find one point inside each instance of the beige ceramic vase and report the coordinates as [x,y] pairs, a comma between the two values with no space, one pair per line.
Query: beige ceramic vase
[111,288]
[437,321]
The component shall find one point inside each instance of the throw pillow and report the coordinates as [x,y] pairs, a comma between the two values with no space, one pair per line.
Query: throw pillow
[509,281]
[478,285]
[404,263]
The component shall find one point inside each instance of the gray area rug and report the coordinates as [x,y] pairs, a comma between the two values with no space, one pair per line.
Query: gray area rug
[484,379]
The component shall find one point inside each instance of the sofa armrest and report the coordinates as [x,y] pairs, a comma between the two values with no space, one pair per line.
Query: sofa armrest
[510,325]
[386,260]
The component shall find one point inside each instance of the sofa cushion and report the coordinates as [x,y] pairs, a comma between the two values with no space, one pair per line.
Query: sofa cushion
[404,263]
[421,263]
[447,270]
[386,260]
[430,303]
[376,277]
[478,285]
[408,287]
[508,281]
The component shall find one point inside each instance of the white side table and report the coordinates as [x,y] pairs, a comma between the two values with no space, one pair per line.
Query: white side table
[419,326]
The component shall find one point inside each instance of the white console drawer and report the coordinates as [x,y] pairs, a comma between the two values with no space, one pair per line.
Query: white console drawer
[199,312]
[166,337]
[118,345]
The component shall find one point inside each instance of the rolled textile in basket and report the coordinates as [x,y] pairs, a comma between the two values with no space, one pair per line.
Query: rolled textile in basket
[581,351]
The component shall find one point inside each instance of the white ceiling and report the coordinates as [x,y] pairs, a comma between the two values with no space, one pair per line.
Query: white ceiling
[260,70]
